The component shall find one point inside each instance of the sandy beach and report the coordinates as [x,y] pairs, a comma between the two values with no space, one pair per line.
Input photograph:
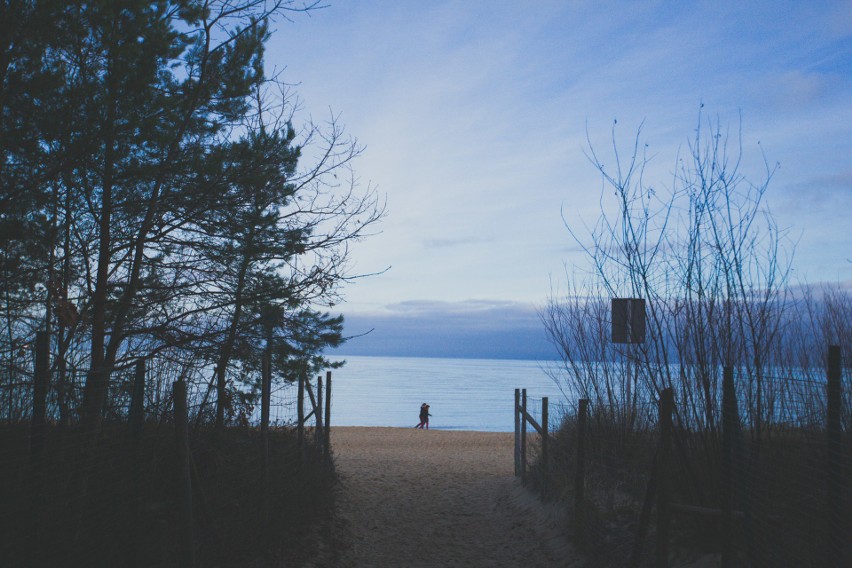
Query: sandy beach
[438,498]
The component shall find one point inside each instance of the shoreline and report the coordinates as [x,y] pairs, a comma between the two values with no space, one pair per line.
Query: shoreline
[434,429]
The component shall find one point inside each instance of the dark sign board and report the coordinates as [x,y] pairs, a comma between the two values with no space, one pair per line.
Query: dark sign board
[628,320]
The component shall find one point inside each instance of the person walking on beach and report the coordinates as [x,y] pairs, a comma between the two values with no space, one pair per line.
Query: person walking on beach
[424,416]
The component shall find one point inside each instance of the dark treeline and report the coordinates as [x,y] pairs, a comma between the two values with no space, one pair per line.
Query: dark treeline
[156,197]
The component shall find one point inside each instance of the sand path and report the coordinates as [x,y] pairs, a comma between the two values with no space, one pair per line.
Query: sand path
[414,498]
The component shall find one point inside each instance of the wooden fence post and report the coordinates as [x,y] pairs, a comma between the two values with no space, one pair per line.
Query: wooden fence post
[136,415]
[327,431]
[265,398]
[663,456]
[185,536]
[524,436]
[62,385]
[41,378]
[545,457]
[729,425]
[135,423]
[300,409]
[834,464]
[517,432]
[318,412]
[579,471]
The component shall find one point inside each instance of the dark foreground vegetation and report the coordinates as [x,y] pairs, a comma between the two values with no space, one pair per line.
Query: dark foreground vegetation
[750,463]
[161,204]
[778,497]
[132,512]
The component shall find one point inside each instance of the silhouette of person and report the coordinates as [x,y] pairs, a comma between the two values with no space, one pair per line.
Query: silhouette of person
[424,416]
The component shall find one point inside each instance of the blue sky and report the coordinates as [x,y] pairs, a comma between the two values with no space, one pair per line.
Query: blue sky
[475,114]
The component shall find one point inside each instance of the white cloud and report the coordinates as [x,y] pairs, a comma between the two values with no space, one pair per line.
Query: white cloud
[474,116]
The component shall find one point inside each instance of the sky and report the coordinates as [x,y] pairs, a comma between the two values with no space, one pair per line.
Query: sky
[477,117]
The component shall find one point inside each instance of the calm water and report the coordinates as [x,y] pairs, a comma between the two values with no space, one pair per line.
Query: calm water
[464,394]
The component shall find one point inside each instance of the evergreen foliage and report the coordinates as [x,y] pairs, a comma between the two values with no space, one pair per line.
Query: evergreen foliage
[154,197]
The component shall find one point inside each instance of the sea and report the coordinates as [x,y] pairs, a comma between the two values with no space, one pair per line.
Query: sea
[463,394]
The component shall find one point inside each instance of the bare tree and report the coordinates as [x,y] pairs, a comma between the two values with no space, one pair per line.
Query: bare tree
[709,259]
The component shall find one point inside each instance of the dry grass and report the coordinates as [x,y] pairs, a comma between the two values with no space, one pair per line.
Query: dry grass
[228,501]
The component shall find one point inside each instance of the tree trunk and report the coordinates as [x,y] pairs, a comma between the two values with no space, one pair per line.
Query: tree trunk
[228,347]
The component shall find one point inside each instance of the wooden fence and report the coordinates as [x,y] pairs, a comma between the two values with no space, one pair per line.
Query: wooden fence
[184,458]
[522,419]
[189,496]
[735,527]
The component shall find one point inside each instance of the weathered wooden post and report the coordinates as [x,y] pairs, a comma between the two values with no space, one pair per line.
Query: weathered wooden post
[300,410]
[524,436]
[545,457]
[41,377]
[136,415]
[318,412]
[835,458]
[265,399]
[62,385]
[729,424]
[265,395]
[517,412]
[327,432]
[579,471]
[185,536]
[135,423]
[663,455]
